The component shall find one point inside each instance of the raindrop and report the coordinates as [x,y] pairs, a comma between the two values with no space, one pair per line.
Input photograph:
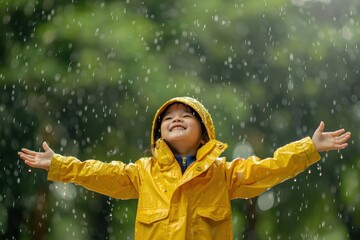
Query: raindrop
[291,57]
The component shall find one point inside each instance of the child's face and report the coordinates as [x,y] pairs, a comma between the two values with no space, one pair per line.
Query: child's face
[181,130]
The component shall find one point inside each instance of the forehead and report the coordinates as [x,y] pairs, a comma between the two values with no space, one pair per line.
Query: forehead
[177,107]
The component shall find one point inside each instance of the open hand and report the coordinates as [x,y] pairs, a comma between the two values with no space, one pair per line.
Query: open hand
[37,159]
[326,141]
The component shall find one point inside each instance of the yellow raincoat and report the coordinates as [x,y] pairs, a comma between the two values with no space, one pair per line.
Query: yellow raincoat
[193,205]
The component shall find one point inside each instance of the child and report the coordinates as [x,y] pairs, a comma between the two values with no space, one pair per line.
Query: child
[185,187]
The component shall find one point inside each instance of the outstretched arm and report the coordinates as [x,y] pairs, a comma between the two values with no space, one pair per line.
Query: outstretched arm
[326,141]
[37,159]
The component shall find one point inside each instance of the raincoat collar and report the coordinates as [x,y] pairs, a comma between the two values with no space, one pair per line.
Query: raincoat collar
[165,156]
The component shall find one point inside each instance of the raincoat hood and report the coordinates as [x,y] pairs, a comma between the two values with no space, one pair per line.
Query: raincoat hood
[195,105]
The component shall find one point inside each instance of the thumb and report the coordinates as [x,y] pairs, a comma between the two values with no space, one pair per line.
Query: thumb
[46,147]
[321,127]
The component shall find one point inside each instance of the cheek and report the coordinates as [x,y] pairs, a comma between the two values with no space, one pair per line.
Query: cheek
[197,128]
[162,128]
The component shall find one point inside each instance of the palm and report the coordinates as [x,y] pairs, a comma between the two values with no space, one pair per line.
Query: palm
[37,159]
[41,157]
[326,141]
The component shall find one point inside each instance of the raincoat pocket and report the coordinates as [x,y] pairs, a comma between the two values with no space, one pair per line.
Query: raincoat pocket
[214,213]
[148,216]
[213,223]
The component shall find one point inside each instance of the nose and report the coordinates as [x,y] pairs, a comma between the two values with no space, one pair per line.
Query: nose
[177,118]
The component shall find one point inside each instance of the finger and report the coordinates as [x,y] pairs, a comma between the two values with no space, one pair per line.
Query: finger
[27,158]
[344,138]
[341,146]
[27,151]
[21,154]
[46,147]
[338,132]
[24,155]
[321,127]
[30,163]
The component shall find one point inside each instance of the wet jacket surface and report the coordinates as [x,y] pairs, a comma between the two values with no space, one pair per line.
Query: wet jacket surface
[193,205]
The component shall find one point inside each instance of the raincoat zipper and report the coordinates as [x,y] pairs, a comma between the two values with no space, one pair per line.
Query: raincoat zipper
[184,161]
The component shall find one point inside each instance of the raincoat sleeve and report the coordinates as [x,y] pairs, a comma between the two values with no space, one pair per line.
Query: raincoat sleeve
[114,179]
[250,177]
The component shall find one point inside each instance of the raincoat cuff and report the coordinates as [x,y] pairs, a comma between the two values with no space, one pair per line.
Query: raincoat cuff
[55,167]
[311,152]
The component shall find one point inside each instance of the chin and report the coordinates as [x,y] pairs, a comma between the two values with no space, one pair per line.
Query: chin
[176,139]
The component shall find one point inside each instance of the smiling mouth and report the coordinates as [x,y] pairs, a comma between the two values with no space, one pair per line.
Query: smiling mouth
[177,128]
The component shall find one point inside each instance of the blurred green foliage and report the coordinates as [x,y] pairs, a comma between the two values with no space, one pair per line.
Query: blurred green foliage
[88,76]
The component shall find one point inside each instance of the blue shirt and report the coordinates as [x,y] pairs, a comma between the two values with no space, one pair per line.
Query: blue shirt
[185,162]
